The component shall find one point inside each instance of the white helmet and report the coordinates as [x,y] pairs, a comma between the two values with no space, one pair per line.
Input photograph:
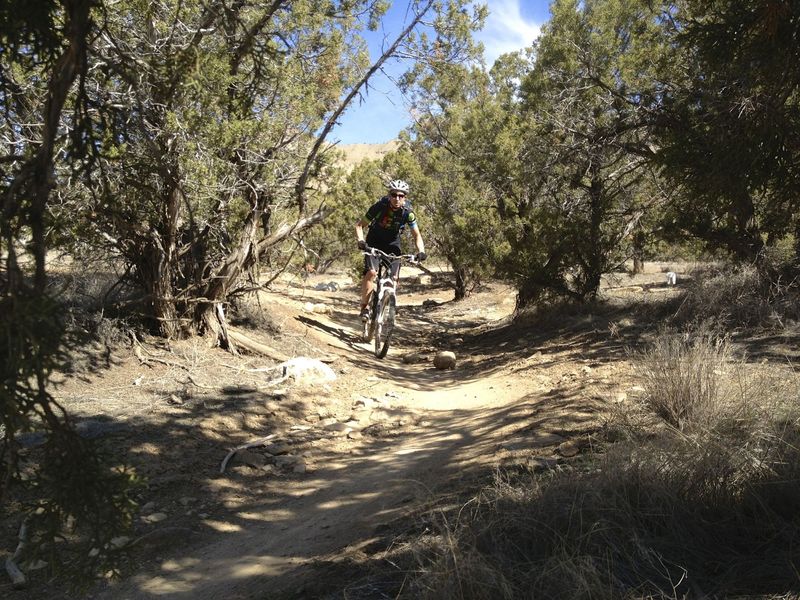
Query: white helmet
[398,185]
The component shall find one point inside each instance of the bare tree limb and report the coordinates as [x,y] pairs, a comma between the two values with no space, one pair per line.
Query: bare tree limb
[300,188]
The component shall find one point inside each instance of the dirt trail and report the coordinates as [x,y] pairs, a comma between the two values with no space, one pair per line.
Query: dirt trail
[433,427]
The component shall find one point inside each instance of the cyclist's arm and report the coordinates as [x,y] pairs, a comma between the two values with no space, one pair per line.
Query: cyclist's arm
[370,216]
[360,229]
[417,237]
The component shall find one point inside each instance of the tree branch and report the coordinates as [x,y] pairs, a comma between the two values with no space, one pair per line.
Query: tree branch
[300,188]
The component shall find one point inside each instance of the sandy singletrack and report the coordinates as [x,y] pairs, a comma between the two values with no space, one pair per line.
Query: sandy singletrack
[517,396]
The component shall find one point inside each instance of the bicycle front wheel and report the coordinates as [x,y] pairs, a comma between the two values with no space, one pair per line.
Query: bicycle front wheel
[384,325]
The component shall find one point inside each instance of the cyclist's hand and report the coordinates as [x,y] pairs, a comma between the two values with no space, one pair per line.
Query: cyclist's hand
[362,245]
[421,256]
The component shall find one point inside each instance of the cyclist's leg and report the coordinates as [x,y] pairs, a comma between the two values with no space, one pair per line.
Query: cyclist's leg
[368,281]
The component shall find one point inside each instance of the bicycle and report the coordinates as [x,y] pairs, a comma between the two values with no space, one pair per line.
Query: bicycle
[382,302]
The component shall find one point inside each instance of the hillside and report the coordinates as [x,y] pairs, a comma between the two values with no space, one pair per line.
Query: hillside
[356,153]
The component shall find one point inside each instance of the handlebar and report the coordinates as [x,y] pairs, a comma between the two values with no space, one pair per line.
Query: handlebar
[411,258]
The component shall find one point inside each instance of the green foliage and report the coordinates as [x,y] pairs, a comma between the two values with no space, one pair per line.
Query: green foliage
[586,149]
[207,117]
[73,499]
[574,148]
[349,198]
[730,127]
[460,219]
[43,48]
[29,29]
[81,505]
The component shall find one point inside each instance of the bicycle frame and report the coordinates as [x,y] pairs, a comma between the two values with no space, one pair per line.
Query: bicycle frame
[383,301]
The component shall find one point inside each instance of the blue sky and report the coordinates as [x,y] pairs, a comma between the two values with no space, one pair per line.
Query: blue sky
[511,25]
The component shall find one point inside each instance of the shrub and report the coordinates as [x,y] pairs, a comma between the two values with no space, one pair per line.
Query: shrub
[738,296]
[681,376]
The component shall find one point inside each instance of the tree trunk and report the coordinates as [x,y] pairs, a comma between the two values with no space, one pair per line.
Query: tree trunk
[747,244]
[596,251]
[638,242]
[461,283]
[158,263]
[210,314]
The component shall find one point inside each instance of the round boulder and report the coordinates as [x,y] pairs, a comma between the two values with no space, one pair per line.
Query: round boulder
[444,360]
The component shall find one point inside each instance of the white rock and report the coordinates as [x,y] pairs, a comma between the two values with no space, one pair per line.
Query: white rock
[339,427]
[251,459]
[35,565]
[331,286]
[277,448]
[155,517]
[379,415]
[120,541]
[304,370]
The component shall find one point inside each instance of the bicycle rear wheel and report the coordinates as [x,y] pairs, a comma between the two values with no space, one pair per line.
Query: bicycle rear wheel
[384,325]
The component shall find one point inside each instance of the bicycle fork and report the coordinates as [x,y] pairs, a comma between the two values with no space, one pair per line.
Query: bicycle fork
[385,288]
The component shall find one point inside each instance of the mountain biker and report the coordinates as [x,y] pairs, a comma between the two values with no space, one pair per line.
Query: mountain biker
[387,219]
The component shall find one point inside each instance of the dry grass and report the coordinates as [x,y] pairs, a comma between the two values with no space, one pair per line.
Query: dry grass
[740,296]
[680,375]
[707,507]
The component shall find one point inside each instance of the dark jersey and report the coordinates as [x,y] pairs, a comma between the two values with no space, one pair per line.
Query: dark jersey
[386,225]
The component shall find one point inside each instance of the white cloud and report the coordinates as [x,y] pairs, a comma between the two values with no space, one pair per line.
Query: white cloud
[506,30]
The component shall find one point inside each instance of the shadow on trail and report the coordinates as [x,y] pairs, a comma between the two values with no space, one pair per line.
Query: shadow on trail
[225,535]
[483,348]
[230,534]
[344,334]
[250,532]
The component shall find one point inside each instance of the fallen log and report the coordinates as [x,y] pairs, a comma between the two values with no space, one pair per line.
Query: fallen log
[249,344]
